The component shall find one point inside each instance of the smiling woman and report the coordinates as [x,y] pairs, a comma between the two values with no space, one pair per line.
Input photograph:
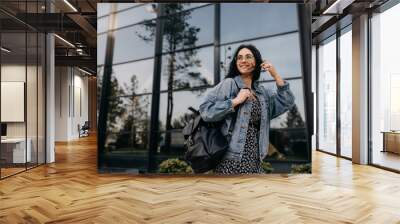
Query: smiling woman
[255,107]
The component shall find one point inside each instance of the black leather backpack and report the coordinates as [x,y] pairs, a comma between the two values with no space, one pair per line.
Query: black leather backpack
[204,142]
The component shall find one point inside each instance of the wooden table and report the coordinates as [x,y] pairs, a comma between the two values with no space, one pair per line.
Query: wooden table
[391,141]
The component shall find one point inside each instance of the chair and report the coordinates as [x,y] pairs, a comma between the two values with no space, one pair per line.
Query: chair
[84,130]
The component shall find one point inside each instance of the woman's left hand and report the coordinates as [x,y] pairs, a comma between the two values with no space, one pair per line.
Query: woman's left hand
[266,66]
[272,71]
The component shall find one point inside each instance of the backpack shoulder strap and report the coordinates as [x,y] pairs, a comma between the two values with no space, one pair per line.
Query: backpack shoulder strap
[234,117]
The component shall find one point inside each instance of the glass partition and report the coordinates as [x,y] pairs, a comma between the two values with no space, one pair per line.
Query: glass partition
[22,92]
[16,152]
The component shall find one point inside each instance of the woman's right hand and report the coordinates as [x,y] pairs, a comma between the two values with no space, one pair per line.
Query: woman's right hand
[241,97]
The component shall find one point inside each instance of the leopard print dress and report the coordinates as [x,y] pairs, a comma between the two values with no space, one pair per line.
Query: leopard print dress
[250,162]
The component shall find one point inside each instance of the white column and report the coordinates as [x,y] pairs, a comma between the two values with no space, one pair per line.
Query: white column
[50,99]
[360,90]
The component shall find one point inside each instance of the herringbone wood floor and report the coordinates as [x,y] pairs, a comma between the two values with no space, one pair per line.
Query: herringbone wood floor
[71,191]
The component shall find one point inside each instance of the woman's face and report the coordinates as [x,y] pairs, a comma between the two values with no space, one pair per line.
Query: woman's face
[245,61]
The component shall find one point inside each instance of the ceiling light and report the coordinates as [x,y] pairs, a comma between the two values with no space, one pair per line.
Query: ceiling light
[70,5]
[337,7]
[64,40]
[5,50]
[84,71]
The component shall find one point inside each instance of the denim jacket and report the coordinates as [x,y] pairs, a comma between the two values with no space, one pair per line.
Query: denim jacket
[217,106]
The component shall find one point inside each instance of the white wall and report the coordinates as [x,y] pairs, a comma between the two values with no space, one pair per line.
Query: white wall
[71,93]
[12,73]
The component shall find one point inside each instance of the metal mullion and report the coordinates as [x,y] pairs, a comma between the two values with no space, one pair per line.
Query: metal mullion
[0,94]
[217,40]
[260,37]
[45,92]
[141,22]
[37,91]
[338,95]
[304,18]
[26,88]
[155,101]
[118,11]
[369,78]
[317,96]
[105,92]
[162,54]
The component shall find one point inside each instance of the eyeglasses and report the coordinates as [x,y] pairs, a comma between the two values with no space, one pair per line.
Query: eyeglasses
[247,57]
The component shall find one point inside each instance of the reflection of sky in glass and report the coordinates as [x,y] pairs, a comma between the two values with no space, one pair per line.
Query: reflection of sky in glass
[101,48]
[243,20]
[134,15]
[191,5]
[282,51]
[102,24]
[103,9]
[205,55]
[182,100]
[143,71]
[128,46]
[202,18]
[121,6]
[296,86]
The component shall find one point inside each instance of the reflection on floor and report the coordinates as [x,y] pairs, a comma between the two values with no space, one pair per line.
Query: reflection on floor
[10,171]
[72,191]
[386,159]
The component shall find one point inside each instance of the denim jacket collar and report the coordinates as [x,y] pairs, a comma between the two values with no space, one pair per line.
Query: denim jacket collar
[241,85]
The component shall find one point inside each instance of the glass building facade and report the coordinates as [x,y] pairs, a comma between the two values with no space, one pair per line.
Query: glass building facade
[161,59]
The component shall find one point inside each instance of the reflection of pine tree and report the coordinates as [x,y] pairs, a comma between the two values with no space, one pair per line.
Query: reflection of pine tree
[294,119]
[177,34]
[135,129]
[115,108]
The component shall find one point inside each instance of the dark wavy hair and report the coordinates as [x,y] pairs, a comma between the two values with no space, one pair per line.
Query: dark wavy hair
[233,70]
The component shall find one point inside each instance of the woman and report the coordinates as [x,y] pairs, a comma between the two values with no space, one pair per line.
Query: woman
[255,106]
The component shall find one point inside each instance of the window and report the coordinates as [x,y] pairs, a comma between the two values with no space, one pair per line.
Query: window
[133,43]
[188,29]
[134,15]
[327,95]
[282,51]
[134,78]
[288,131]
[346,92]
[191,68]
[240,21]
[385,85]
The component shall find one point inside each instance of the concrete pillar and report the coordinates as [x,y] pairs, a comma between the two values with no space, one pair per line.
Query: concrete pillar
[360,90]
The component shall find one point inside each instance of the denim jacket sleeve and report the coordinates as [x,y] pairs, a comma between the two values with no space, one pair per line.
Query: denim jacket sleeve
[280,101]
[218,102]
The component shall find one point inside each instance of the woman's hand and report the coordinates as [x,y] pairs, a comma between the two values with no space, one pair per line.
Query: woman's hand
[266,66]
[241,97]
